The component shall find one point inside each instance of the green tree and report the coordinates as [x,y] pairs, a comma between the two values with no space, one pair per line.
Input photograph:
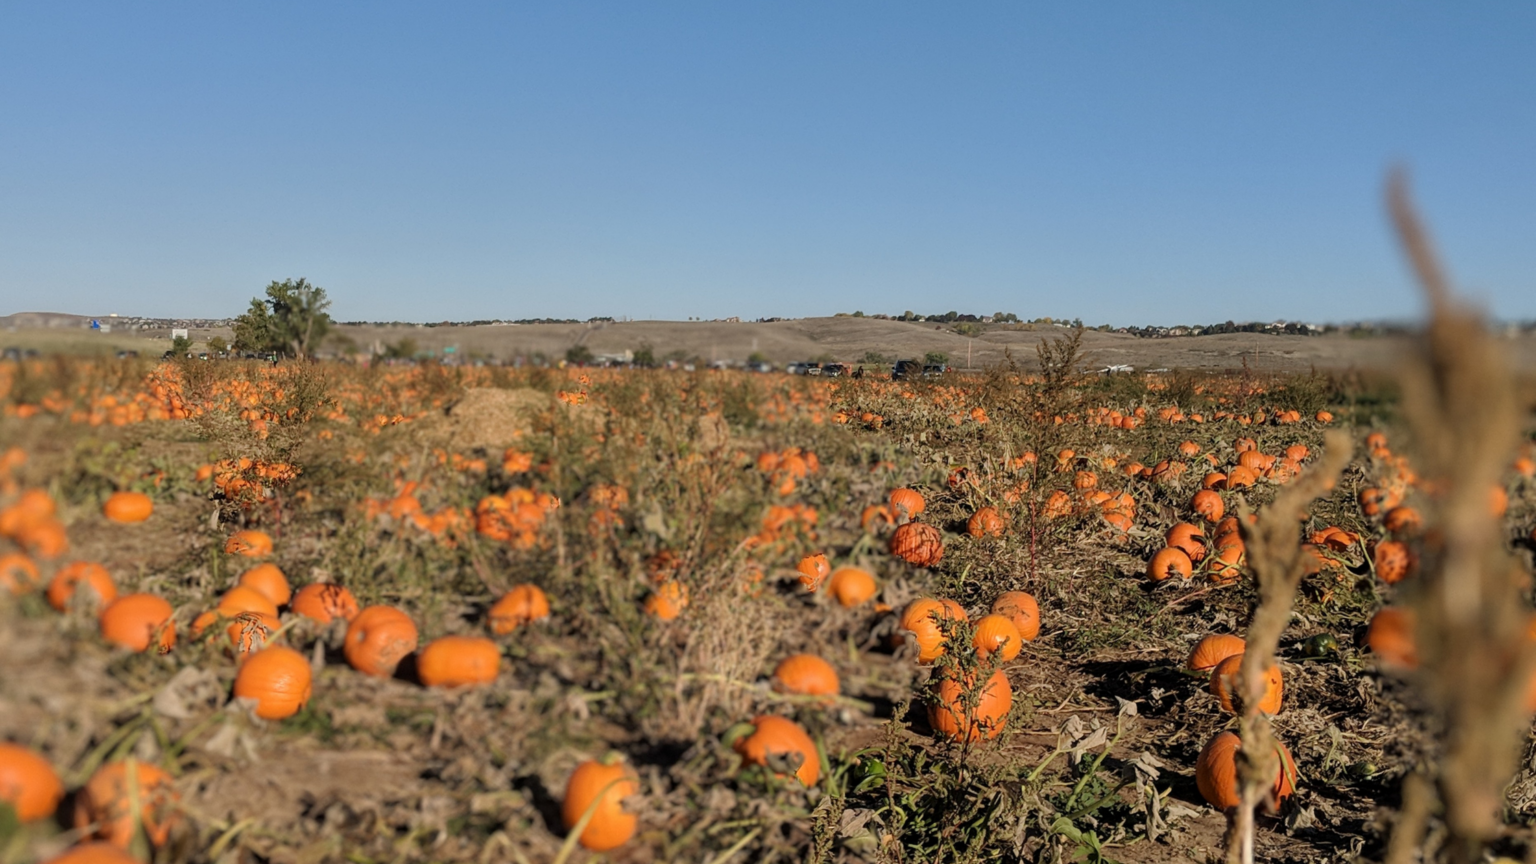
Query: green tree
[645,356]
[217,345]
[180,346]
[577,355]
[292,320]
[936,358]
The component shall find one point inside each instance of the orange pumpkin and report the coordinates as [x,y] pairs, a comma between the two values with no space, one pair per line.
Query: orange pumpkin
[667,601]
[1216,773]
[1393,561]
[249,543]
[852,586]
[1168,563]
[105,802]
[94,853]
[876,517]
[18,573]
[601,787]
[906,504]
[1224,678]
[805,675]
[921,619]
[950,716]
[458,661]
[137,621]
[128,507]
[1213,649]
[1226,566]
[1390,636]
[986,522]
[814,570]
[378,639]
[325,602]
[100,590]
[918,544]
[1239,477]
[278,678]
[28,783]
[996,633]
[1020,608]
[1185,536]
[1207,504]
[782,746]
[269,581]
[524,604]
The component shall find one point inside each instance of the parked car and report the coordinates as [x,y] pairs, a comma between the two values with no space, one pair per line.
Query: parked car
[760,367]
[934,370]
[834,370]
[905,369]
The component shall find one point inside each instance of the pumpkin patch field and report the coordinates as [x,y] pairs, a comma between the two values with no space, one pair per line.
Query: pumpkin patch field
[325,612]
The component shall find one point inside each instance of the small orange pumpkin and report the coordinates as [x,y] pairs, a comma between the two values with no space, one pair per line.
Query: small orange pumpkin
[1020,608]
[852,586]
[782,746]
[269,581]
[1390,636]
[18,573]
[1168,563]
[137,621]
[601,787]
[918,544]
[951,717]
[1186,536]
[921,619]
[378,639]
[28,783]
[105,802]
[458,661]
[805,675]
[1216,773]
[278,678]
[128,507]
[986,522]
[325,602]
[1394,562]
[1224,677]
[1207,505]
[249,543]
[814,570]
[1213,649]
[997,633]
[523,604]
[667,601]
[65,585]
[94,853]
[906,504]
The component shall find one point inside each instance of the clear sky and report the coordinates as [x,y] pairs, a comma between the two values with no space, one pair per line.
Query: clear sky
[1135,162]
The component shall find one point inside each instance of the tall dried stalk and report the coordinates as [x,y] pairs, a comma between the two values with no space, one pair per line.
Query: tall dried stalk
[1476,660]
[1279,563]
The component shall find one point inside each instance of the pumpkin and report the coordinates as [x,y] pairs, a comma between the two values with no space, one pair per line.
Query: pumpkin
[28,783]
[1216,773]
[805,675]
[601,787]
[1239,478]
[996,633]
[1393,561]
[1402,519]
[94,853]
[852,586]
[1083,481]
[137,621]
[268,580]
[950,716]
[325,602]
[242,598]
[34,507]
[278,678]
[1226,565]
[917,544]
[1207,504]
[1213,649]
[458,661]
[814,570]
[105,802]
[921,619]
[906,504]
[1189,448]
[1224,679]
[986,522]
[1185,536]
[128,507]
[1390,636]
[524,604]
[1020,608]
[1169,562]
[18,573]
[782,746]
[378,639]
[65,585]
[1374,501]
[667,601]
[1498,502]
[249,543]
[1213,480]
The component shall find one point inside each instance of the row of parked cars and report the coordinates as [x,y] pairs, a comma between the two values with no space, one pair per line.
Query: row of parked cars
[903,370]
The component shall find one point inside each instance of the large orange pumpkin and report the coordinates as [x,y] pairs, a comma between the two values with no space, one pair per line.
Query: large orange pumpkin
[524,604]
[950,716]
[137,621]
[906,504]
[986,522]
[1224,679]
[921,619]
[1168,563]
[28,783]
[805,675]
[249,543]
[378,639]
[1213,649]
[18,573]
[325,602]
[1020,608]
[1216,773]
[458,661]
[852,586]
[917,544]
[268,580]
[128,507]
[278,678]
[99,592]
[105,802]
[601,787]
[997,633]
[782,746]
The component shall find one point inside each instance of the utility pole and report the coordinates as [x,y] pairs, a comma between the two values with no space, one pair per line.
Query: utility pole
[968,344]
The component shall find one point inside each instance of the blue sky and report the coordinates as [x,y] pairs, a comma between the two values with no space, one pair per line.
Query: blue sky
[1119,162]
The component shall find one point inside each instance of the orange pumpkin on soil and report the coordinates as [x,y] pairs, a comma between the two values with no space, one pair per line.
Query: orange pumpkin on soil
[601,787]
[1224,679]
[1375,501]
[105,802]
[950,717]
[876,517]
[28,783]
[1213,649]
[996,633]
[1188,537]
[269,581]
[1213,480]
[1169,562]
[852,586]
[814,570]
[918,544]
[1226,566]
[986,522]
[137,621]
[243,598]
[458,661]
[805,675]
[94,853]
[378,639]
[128,507]
[906,504]
[1402,519]
[524,604]
[1216,773]
[1239,478]
[1390,636]
[100,590]
[18,573]
[1208,505]
[278,678]
[249,543]
[325,602]
[921,619]
[1020,608]
[667,601]
[782,746]
[1393,561]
